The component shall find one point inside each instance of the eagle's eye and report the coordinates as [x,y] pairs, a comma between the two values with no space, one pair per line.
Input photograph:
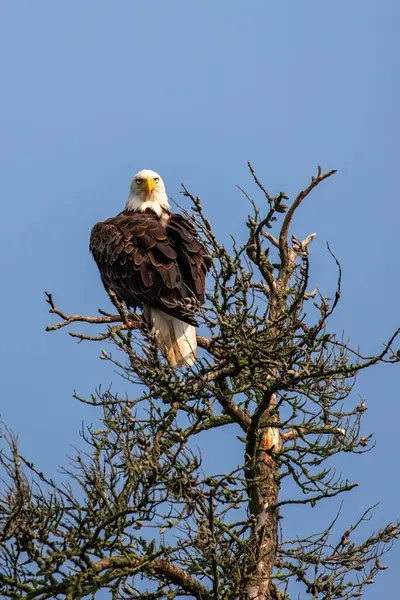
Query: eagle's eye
[138,181]
[156,179]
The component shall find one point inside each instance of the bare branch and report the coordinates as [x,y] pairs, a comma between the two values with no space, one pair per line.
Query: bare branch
[283,238]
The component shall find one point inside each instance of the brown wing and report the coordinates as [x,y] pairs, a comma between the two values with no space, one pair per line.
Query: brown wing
[146,263]
[192,257]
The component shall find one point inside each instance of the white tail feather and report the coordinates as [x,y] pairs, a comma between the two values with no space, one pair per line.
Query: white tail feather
[176,339]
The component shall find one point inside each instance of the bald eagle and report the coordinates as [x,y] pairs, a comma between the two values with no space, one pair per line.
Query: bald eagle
[153,259]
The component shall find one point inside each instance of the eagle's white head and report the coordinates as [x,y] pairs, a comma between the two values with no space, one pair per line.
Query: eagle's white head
[147,191]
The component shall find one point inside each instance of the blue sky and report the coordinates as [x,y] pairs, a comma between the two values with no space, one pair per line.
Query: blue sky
[93,91]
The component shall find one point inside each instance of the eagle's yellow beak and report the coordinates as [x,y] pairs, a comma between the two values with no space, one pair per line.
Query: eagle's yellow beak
[150,185]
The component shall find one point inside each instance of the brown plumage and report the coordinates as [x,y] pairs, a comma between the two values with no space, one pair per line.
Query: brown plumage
[149,263]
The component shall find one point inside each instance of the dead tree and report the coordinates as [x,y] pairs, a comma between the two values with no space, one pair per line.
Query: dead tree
[137,514]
